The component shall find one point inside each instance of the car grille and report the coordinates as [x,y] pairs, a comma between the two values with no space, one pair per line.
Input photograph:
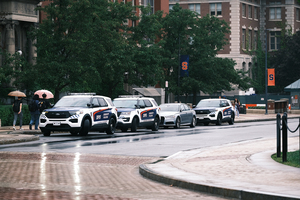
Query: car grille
[58,114]
[202,112]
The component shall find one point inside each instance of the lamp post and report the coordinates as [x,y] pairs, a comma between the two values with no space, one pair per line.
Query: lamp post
[266,74]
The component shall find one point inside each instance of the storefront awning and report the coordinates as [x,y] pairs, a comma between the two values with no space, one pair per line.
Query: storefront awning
[150,92]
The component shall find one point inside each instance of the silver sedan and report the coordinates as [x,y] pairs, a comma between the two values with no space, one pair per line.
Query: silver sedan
[176,115]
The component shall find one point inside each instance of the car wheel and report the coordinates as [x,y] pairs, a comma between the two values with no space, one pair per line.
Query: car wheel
[177,123]
[46,133]
[231,121]
[219,119]
[193,124]
[155,125]
[111,127]
[85,127]
[134,125]
[74,133]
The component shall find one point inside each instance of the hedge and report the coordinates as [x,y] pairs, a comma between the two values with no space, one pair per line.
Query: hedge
[7,115]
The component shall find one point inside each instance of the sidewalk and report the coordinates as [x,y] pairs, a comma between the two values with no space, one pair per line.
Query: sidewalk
[243,170]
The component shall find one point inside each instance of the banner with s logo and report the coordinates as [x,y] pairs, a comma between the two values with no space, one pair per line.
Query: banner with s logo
[271,77]
[184,65]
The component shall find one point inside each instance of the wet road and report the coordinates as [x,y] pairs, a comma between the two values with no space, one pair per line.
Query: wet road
[106,167]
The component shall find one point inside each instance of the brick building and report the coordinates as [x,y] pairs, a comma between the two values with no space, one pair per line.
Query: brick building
[249,20]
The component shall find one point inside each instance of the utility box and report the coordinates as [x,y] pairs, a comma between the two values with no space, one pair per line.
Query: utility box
[281,106]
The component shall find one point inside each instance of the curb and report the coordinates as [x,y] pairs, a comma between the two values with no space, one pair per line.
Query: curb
[225,192]
[18,137]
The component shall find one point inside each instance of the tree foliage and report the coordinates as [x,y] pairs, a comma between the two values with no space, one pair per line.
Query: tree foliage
[286,61]
[201,39]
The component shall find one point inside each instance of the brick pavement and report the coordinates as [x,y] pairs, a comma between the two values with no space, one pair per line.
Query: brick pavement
[38,176]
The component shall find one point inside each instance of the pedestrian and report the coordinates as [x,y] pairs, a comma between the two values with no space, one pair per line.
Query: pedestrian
[34,112]
[44,103]
[237,107]
[17,108]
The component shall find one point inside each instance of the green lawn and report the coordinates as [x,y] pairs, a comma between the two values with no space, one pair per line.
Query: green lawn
[293,159]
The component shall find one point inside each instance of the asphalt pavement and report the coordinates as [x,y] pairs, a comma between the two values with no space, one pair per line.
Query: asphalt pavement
[243,170]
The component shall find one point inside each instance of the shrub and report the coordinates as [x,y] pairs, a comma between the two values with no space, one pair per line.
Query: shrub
[7,115]
[257,107]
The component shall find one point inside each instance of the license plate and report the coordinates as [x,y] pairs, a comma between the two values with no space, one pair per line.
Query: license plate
[201,118]
[56,123]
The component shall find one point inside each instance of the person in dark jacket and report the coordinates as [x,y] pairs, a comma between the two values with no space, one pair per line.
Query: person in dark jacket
[17,108]
[44,103]
[35,115]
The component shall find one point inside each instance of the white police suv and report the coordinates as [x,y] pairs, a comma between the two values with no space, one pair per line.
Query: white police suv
[134,112]
[214,111]
[80,113]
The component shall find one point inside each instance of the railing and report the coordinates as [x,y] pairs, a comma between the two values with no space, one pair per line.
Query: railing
[282,125]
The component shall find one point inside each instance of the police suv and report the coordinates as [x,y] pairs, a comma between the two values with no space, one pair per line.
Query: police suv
[214,111]
[80,113]
[134,112]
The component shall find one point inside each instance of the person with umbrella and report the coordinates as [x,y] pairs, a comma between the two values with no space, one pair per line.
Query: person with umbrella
[17,108]
[44,103]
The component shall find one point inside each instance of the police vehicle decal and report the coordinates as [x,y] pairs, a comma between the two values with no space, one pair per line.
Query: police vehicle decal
[148,114]
[103,114]
[227,112]
[74,117]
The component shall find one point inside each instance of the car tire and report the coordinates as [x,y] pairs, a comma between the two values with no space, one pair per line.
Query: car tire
[74,133]
[219,119]
[85,127]
[231,121]
[193,124]
[46,133]
[177,123]
[111,127]
[134,124]
[155,125]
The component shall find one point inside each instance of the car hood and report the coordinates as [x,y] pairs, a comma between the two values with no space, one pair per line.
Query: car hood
[167,113]
[55,109]
[205,108]
[125,109]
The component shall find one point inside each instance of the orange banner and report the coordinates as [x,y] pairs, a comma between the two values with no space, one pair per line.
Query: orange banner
[271,77]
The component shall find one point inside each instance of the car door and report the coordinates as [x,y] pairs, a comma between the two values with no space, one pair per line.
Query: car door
[148,112]
[101,112]
[183,114]
[226,109]
[189,113]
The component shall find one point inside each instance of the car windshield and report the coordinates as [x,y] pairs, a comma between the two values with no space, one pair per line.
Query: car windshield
[209,103]
[73,102]
[169,107]
[121,103]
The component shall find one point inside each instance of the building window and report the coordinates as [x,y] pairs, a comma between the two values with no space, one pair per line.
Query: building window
[274,40]
[147,3]
[297,14]
[244,38]
[250,39]
[243,10]
[250,11]
[215,9]
[195,7]
[275,2]
[171,7]
[255,40]
[255,13]
[275,13]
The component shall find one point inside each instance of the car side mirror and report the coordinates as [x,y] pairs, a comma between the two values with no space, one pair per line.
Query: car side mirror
[142,106]
[194,106]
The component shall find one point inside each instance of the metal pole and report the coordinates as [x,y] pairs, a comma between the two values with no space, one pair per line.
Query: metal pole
[284,137]
[278,117]
[266,75]
[178,68]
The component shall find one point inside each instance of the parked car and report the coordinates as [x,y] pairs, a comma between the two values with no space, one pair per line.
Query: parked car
[215,111]
[134,112]
[176,115]
[80,113]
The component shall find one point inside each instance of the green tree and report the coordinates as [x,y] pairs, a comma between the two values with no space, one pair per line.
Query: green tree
[286,62]
[201,39]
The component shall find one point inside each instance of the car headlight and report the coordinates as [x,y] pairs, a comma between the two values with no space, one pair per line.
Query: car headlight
[213,110]
[170,117]
[125,113]
[78,112]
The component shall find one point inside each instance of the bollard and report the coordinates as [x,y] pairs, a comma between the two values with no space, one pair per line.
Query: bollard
[284,137]
[278,118]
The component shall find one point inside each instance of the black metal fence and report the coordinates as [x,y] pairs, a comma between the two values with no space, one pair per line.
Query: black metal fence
[282,126]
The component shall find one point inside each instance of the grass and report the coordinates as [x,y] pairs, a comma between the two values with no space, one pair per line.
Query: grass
[293,159]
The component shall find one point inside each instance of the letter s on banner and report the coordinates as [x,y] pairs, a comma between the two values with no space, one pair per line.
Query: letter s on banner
[271,77]
[184,65]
